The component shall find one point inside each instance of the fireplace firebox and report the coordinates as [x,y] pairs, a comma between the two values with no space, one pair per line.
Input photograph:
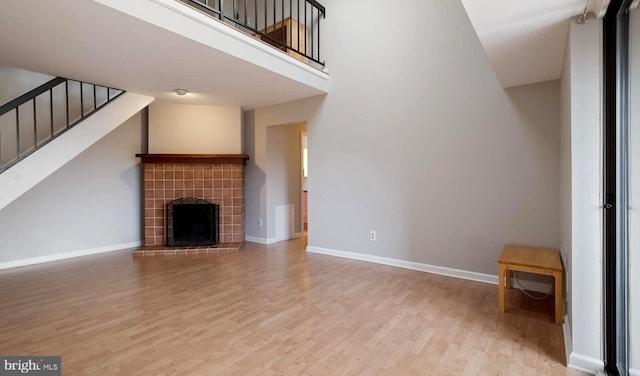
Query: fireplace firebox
[191,222]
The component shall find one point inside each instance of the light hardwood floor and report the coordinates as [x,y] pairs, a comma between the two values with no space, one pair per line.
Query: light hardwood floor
[272,310]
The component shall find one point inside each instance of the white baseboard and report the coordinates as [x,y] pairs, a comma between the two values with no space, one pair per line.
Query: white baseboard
[585,363]
[568,343]
[449,272]
[254,239]
[534,286]
[67,255]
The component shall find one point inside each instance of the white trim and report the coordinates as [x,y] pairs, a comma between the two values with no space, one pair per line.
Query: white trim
[254,239]
[449,272]
[568,343]
[585,363]
[275,239]
[634,372]
[67,255]
[534,286]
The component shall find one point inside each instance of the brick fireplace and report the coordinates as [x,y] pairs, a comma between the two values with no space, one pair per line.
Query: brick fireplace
[217,178]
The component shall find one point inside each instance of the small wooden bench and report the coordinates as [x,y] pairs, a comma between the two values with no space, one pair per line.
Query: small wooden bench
[530,260]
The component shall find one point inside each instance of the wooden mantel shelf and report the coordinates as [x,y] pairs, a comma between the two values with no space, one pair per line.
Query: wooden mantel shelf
[194,158]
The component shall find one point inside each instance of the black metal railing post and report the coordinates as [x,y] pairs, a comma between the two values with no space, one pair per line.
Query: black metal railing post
[66,99]
[51,110]
[298,28]
[35,123]
[17,131]
[81,101]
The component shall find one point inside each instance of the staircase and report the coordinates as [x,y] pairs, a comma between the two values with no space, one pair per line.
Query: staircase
[45,128]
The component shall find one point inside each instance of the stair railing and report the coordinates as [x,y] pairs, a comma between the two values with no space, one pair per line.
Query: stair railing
[34,119]
[290,25]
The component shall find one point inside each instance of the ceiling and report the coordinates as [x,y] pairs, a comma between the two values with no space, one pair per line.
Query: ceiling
[525,40]
[85,40]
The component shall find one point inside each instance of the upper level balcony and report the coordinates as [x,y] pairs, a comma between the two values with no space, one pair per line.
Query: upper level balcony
[222,51]
[290,25]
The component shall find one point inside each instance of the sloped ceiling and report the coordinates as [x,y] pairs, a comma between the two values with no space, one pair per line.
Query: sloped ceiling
[526,40]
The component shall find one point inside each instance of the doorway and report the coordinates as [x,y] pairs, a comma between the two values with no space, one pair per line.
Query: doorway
[284,191]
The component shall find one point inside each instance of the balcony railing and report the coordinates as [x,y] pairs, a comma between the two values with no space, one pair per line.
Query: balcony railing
[32,120]
[290,25]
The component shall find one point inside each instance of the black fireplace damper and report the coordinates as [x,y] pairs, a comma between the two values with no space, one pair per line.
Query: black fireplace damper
[191,222]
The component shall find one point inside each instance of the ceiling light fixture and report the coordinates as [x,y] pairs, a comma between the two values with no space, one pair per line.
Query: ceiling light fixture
[181,92]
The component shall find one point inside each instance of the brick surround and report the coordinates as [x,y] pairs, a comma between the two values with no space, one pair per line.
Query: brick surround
[217,179]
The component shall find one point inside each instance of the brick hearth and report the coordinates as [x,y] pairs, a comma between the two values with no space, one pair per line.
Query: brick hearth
[215,178]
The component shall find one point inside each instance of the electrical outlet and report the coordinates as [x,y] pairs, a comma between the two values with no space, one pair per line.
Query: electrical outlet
[372,236]
[260,222]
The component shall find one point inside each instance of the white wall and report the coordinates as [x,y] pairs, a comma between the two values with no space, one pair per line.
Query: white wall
[538,111]
[93,201]
[565,181]
[255,178]
[284,181]
[423,145]
[585,47]
[194,129]
[14,82]
[634,213]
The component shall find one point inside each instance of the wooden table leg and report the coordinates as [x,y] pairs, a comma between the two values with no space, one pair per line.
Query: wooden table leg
[507,273]
[557,279]
[501,273]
